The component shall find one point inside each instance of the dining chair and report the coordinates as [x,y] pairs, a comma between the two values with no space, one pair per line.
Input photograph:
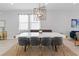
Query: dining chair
[45,42]
[77,39]
[52,42]
[52,45]
[23,42]
[34,43]
[58,44]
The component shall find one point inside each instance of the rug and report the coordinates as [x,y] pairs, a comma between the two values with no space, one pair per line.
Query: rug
[36,51]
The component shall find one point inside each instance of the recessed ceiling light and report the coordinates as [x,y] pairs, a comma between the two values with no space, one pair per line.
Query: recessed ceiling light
[46,3]
[12,3]
[74,2]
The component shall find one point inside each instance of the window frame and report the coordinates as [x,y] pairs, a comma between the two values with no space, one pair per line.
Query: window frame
[29,25]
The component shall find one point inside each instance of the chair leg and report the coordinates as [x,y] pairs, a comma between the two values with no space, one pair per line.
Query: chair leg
[40,46]
[27,49]
[56,48]
[75,42]
[24,48]
[63,49]
[53,51]
[17,48]
[30,47]
[49,48]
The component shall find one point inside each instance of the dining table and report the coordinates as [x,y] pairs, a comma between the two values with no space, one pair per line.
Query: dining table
[46,34]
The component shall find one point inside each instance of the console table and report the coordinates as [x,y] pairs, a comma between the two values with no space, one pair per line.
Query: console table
[3,35]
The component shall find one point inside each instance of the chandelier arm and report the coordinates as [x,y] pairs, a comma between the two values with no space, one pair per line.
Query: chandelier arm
[40,12]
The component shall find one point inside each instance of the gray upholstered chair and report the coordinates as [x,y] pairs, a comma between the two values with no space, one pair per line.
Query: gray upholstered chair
[77,35]
[23,42]
[34,44]
[77,39]
[45,41]
[52,42]
[58,41]
[58,44]
[35,41]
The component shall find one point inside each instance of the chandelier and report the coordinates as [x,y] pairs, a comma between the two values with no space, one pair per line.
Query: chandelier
[40,12]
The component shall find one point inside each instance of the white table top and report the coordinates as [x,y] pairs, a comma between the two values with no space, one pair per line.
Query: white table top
[54,34]
[46,34]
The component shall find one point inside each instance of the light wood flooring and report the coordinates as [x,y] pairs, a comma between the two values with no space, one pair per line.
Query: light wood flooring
[36,51]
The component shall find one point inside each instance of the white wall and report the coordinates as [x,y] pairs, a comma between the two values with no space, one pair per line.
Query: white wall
[57,20]
[12,21]
[60,20]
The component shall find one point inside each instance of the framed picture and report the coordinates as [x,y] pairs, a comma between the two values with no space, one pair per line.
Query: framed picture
[77,23]
[74,23]
[2,23]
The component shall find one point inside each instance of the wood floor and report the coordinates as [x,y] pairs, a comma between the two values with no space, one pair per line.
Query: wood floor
[35,51]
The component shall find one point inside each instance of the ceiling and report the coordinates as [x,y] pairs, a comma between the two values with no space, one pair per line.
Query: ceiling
[30,6]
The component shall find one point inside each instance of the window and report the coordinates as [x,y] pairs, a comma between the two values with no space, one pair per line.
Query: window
[23,22]
[29,22]
[34,22]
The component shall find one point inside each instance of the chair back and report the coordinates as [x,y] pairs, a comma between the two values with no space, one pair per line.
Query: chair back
[34,41]
[23,41]
[52,41]
[77,35]
[45,41]
[58,41]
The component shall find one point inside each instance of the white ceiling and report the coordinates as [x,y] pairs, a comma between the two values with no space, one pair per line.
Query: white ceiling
[30,6]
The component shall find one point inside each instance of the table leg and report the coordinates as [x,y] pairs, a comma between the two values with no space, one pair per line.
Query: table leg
[24,48]
[56,48]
